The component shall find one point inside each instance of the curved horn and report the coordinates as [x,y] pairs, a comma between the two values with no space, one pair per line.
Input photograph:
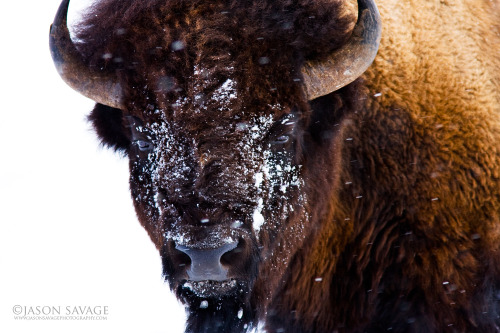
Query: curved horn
[350,61]
[99,86]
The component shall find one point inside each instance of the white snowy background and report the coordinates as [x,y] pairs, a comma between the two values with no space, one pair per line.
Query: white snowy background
[68,231]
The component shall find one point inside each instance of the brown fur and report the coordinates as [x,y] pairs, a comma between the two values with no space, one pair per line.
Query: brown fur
[401,168]
[430,146]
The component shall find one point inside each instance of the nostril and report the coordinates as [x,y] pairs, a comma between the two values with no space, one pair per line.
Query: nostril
[232,257]
[181,258]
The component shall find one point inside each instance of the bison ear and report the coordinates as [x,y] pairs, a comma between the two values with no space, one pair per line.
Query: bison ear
[108,124]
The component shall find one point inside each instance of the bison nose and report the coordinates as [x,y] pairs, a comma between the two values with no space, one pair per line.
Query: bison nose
[206,263]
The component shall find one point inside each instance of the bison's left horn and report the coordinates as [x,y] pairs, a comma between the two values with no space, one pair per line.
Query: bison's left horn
[350,61]
[92,83]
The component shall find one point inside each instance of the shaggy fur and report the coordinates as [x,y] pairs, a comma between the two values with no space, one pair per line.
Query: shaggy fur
[401,168]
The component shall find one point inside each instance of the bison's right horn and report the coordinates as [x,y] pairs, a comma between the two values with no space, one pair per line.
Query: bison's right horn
[94,84]
[350,61]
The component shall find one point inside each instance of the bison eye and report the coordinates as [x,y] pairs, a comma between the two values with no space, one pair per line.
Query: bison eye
[143,145]
[281,139]
[282,131]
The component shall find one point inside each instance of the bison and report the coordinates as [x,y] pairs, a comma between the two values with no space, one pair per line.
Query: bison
[290,182]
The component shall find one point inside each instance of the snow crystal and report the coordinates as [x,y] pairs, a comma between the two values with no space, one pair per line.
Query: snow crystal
[177,45]
[236,224]
[258,179]
[242,126]
[226,91]
[240,314]
[157,201]
[260,328]
[204,304]
[178,238]
[264,60]
[258,218]
[197,70]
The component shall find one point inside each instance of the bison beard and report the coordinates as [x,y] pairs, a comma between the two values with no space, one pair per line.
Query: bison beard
[280,192]
[211,312]
[222,314]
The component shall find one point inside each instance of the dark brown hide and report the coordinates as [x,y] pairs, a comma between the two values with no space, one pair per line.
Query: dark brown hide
[181,94]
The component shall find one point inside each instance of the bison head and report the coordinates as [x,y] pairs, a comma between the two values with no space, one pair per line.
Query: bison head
[213,104]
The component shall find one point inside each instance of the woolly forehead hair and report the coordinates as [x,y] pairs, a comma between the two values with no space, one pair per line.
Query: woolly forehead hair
[117,34]
[308,24]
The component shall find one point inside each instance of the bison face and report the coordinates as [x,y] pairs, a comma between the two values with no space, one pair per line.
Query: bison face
[209,99]
[219,186]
